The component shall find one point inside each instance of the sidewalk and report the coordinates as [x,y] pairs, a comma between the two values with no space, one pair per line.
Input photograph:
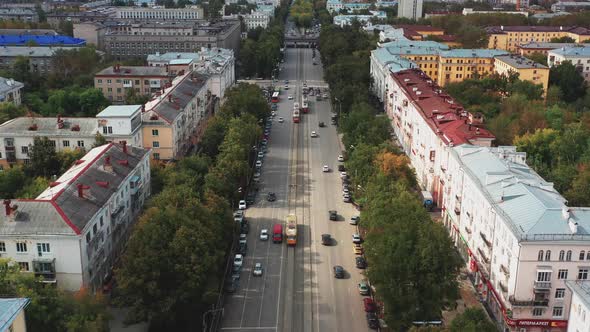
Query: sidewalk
[468,298]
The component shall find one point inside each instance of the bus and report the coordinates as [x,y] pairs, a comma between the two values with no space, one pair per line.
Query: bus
[296,115]
[277,233]
[291,232]
[275,97]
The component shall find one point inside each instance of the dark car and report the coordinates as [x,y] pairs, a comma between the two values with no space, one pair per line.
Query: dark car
[372,320]
[244,227]
[271,197]
[243,248]
[251,198]
[341,168]
[326,239]
[338,272]
[333,215]
[321,124]
[231,285]
[361,262]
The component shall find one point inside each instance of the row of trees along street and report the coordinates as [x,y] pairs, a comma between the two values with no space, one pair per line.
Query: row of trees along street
[301,12]
[260,53]
[174,264]
[412,262]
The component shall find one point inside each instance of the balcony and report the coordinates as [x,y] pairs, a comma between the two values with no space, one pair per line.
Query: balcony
[134,184]
[528,303]
[45,268]
[542,286]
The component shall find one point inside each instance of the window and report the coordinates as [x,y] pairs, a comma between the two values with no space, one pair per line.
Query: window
[560,293]
[94,229]
[101,221]
[155,144]
[537,312]
[562,274]
[548,255]
[155,132]
[107,130]
[52,143]
[66,144]
[587,252]
[109,81]
[583,273]
[24,149]
[99,81]
[540,256]
[557,311]
[87,237]
[568,256]
[21,247]
[24,266]
[582,255]
[81,144]
[543,276]
[43,248]
[561,255]
[2,247]
[156,156]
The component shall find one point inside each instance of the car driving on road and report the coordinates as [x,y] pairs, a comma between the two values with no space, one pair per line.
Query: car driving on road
[338,272]
[264,234]
[333,215]
[257,270]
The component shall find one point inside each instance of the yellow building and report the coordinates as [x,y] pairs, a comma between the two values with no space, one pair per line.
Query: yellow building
[460,64]
[526,69]
[509,37]
[12,315]
[174,120]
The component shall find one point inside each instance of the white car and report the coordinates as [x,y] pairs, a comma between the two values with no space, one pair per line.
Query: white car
[314,134]
[286,87]
[356,238]
[264,234]
[281,120]
[243,238]
[238,260]
[340,158]
[258,163]
[242,205]
[290,97]
[260,154]
[273,113]
[345,192]
[326,169]
[343,175]
[257,269]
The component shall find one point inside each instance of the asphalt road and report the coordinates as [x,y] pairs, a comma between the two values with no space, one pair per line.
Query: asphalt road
[298,291]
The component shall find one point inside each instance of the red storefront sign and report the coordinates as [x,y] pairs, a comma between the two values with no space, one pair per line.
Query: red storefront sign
[540,323]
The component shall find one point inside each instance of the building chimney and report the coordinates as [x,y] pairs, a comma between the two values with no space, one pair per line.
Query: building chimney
[124,145]
[60,122]
[7,208]
[108,167]
[82,190]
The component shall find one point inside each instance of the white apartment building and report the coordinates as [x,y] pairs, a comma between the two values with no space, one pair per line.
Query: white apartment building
[411,9]
[72,233]
[579,316]
[579,56]
[10,91]
[219,63]
[121,123]
[160,13]
[256,19]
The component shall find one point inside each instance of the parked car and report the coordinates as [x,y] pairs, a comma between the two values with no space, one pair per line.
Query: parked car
[326,239]
[341,168]
[257,270]
[338,272]
[243,248]
[243,238]
[231,285]
[321,124]
[271,197]
[372,320]
[258,163]
[357,249]
[354,220]
[242,205]
[356,238]
[264,234]
[343,175]
[360,262]
[340,158]
[333,215]
[346,198]
[369,305]
[238,260]
[314,134]
[363,287]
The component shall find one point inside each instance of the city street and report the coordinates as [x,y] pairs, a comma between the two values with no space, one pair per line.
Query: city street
[298,291]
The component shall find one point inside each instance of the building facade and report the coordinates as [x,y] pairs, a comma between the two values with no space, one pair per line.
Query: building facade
[10,91]
[569,6]
[114,82]
[579,316]
[460,64]
[121,124]
[411,9]
[141,39]
[19,14]
[509,37]
[579,56]
[12,314]
[72,233]
[160,13]
[527,70]
[256,19]
[541,48]
[39,57]
[173,121]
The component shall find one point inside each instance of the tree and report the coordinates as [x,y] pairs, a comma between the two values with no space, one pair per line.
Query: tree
[33,188]
[99,140]
[579,193]
[472,37]
[564,39]
[9,111]
[11,181]
[133,98]
[472,319]
[538,58]
[567,78]
[67,158]
[43,159]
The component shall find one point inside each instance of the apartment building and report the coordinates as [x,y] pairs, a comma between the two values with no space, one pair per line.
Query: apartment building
[541,48]
[39,57]
[173,121]
[579,56]
[10,91]
[160,13]
[411,9]
[19,14]
[509,37]
[121,124]
[570,6]
[526,69]
[460,64]
[579,316]
[257,19]
[342,20]
[334,6]
[73,232]
[125,39]
[96,15]
[12,314]
[114,81]
[426,121]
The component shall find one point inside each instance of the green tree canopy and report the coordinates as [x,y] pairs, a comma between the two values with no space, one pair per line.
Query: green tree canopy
[567,78]
[472,320]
